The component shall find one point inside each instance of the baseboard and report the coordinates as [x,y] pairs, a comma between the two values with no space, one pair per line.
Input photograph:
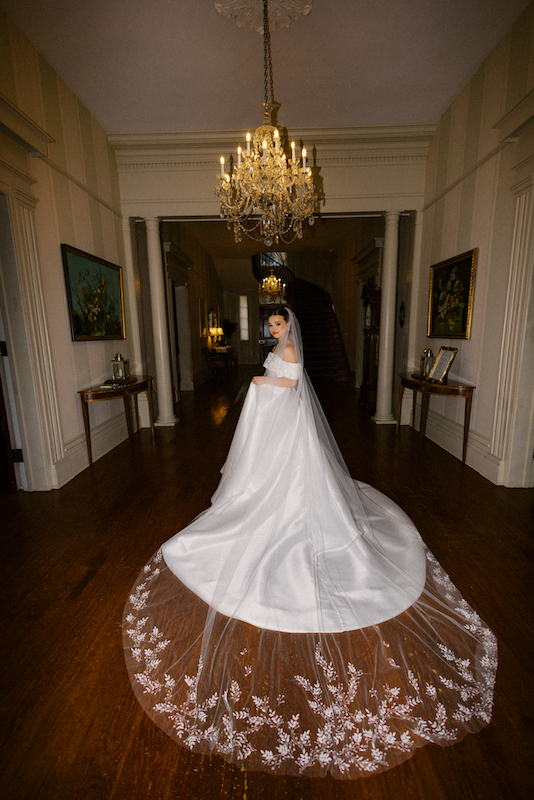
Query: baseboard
[104,437]
[450,436]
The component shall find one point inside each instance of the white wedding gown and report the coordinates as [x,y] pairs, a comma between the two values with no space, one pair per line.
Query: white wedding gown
[299,625]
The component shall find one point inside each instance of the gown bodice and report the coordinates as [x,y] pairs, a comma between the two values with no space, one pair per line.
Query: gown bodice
[286,544]
[282,369]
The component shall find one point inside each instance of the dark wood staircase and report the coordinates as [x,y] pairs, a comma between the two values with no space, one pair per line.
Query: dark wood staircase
[324,351]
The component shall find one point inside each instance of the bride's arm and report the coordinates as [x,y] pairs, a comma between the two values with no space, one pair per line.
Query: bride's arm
[290,357]
[286,382]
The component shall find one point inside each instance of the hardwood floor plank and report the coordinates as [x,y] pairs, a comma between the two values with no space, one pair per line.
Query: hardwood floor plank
[72,729]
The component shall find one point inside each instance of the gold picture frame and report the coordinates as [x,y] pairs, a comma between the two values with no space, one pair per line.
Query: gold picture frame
[442,364]
[95,296]
[450,302]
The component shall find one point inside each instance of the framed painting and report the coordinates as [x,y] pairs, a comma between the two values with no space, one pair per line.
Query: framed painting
[94,296]
[450,304]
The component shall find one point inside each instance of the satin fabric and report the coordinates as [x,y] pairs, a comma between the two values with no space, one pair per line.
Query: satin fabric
[288,544]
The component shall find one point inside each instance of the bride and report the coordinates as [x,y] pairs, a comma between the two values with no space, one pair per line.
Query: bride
[299,625]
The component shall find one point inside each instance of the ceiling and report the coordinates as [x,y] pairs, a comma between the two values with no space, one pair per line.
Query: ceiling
[178,65]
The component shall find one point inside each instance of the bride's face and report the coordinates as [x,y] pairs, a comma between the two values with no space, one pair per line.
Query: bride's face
[276,325]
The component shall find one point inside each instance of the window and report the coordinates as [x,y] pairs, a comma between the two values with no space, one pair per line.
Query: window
[243,317]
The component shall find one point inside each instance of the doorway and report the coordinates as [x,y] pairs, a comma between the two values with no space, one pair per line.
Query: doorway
[8,479]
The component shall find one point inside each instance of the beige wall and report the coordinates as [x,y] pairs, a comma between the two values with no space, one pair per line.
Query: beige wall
[476,158]
[75,184]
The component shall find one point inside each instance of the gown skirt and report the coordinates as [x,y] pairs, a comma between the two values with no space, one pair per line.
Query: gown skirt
[299,625]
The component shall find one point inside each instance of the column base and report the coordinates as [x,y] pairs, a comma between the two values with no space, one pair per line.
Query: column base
[166,423]
[387,420]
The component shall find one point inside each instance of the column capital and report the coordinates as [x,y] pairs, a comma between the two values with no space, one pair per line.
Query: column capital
[152,223]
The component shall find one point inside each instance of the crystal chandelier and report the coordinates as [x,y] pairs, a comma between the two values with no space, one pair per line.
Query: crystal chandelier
[272,290]
[269,193]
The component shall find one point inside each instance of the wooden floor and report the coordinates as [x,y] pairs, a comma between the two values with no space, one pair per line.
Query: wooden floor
[72,728]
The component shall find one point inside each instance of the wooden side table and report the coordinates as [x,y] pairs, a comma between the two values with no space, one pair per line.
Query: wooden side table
[451,389]
[126,390]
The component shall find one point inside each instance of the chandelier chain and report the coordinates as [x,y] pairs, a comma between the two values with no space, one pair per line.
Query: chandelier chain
[267,58]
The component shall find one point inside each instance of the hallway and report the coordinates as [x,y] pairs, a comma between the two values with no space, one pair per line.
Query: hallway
[73,729]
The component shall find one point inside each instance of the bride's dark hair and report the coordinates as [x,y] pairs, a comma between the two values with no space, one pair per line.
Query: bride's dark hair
[280,312]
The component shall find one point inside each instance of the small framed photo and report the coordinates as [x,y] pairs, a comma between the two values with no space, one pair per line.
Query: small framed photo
[450,304]
[442,364]
[94,296]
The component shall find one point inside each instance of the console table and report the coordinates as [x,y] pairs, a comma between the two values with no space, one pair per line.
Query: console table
[125,390]
[450,389]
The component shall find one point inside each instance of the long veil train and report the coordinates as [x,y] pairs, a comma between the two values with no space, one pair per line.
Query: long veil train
[299,625]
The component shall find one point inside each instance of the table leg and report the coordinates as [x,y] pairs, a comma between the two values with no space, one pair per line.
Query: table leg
[85,412]
[399,406]
[424,410]
[468,401]
[150,407]
[128,411]
[414,406]
[136,406]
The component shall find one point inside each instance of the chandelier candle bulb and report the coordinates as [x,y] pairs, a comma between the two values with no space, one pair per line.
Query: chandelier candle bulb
[248,144]
[293,153]
[304,159]
[276,140]
[222,166]
[239,156]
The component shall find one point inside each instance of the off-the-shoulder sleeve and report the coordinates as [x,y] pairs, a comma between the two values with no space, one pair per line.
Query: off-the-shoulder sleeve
[289,370]
[282,369]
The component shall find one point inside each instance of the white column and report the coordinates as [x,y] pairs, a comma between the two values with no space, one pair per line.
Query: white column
[134,336]
[513,432]
[386,348]
[159,324]
[36,384]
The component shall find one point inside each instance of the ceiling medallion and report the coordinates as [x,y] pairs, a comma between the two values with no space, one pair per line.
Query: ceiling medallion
[270,192]
[250,12]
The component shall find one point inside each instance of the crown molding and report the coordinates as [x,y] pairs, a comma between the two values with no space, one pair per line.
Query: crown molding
[22,129]
[194,140]
[177,150]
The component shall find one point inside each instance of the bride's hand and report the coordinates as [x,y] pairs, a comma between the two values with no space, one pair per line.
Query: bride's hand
[257,379]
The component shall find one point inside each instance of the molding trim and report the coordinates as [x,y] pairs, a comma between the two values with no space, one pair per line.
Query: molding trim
[12,175]
[22,129]
[192,141]
[83,186]
[517,119]
[173,164]
[454,184]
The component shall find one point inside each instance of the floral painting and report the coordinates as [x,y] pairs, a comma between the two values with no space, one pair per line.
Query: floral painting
[94,296]
[450,305]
